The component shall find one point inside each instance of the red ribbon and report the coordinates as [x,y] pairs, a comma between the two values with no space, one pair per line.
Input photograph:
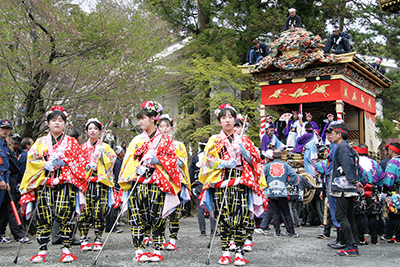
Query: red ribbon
[395,149]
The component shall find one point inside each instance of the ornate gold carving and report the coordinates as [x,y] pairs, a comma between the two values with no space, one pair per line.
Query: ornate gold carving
[277,93]
[320,89]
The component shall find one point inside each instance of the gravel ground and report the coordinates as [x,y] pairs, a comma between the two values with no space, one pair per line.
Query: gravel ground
[268,250]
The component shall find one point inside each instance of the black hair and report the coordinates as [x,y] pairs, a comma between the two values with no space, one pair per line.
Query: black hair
[74,133]
[203,140]
[146,112]
[238,123]
[309,128]
[55,114]
[25,142]
[271,127]
[277,154]
[98,125]
[224,111]
[344,130]
[395,144]
[171,124]
[362,146]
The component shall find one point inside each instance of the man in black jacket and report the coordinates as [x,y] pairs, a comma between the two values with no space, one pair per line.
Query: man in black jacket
[257,52]
[293,20]
[344,187]
[377,65]
[339,41]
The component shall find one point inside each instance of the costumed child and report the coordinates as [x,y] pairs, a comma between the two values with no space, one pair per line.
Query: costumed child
[234,163]
[54,175]
[100,159]
[294,129]
[166,125]
[150,177]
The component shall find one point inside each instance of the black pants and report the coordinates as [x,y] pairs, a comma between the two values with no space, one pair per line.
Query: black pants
[111,218]
[280,203]
[7,215]
[345,216]
[394,226]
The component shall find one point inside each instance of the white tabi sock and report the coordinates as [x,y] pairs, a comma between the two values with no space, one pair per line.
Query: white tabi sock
[239,255]
[66,250]
[173,241]
[226,254]
[248,242]
[138,252]
[158,252]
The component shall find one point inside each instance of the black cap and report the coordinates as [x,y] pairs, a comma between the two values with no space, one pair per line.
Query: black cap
[308,126]
[5,124]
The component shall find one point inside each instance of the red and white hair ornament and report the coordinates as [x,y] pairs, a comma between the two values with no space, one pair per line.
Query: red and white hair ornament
[166,116]
[309,114]
[54,108]
[270,117]
[240,117]
[222,106]
[154,106]
[89,121]
[330,115]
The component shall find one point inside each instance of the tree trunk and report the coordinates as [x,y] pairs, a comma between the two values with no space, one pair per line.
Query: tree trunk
[34,108]
[203,15]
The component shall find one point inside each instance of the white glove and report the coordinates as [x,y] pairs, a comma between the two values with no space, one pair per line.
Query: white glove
[48,166]
[300,116]
[338,40]
[382,197]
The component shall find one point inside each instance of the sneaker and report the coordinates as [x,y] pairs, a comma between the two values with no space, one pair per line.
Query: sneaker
[238,261]
[117,231]
[350,251]
[142,257]
[294,235]
[308,224]
[232,246]
[266,232]
[286,233]
[155,257]
[365,242]
[321,225]
[224,260]
[259,231]
[277,235]
[322,236]
[4,240]
[7,238]
[24,240]
[393,241]
[385,238]
[97,246]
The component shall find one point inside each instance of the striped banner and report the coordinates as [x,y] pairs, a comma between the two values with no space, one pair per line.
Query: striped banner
[262,128]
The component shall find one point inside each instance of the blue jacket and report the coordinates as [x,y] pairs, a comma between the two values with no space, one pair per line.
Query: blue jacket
[4,166]
[346,164]
[278,175]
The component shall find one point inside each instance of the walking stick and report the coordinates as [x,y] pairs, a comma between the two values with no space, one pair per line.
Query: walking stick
[37,200]
[122,208]
[222,205]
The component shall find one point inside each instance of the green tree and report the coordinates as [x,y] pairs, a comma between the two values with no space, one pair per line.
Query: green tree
[390,97]
[386,129]
[95,64]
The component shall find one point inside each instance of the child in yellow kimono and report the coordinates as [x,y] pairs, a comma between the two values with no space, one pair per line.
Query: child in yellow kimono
[99,159]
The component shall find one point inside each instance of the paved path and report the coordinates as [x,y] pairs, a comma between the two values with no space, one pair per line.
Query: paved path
[192,251]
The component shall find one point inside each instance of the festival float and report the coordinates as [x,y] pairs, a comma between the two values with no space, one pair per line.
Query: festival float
[298,73]
[392,6]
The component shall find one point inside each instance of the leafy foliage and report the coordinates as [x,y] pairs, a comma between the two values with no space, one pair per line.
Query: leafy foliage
[95,64]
